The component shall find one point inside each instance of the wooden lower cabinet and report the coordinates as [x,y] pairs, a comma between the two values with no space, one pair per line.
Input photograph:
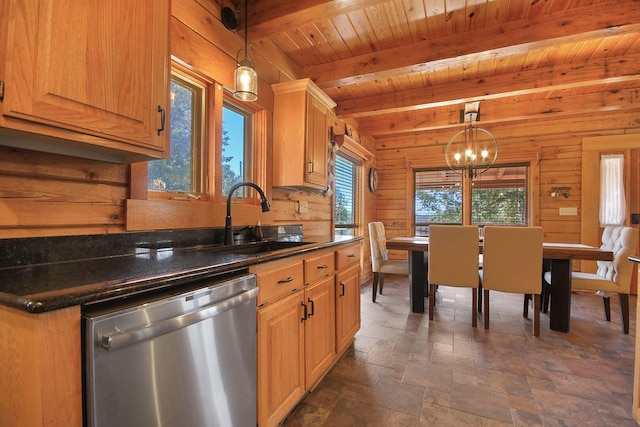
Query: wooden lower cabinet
[280,358]
[320,330]
[296,346]
[300,335]
[347,306]
[40,368]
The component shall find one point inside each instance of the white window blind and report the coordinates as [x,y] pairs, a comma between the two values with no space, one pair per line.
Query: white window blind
[346,201]
[612,198]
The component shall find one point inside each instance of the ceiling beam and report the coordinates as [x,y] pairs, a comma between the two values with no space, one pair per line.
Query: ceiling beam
[564,76]
[583,23]
[503,110]
[269,17]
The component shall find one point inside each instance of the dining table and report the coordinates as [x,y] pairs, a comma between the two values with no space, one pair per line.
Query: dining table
[559,257]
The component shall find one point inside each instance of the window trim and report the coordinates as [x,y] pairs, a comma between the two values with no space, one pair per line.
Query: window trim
[533,160]
[199,172]
[249,151]
[357,195]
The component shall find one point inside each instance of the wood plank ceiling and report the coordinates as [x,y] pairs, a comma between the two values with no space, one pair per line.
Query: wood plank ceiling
[407,66]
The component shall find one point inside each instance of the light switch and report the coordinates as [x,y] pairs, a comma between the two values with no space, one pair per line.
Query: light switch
[568,211]
[303,206]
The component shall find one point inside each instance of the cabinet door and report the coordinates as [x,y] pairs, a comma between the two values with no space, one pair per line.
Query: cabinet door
[280,358]
[84,69]
[317,143]
[320,344]
[347,306]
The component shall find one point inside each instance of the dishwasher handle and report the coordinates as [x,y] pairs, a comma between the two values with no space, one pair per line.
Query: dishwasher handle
[122,339]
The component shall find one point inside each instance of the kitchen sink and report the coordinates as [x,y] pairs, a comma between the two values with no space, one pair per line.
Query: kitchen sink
[263,247]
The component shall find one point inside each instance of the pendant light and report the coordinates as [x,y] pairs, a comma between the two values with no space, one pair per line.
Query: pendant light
[473,149]
[246,77]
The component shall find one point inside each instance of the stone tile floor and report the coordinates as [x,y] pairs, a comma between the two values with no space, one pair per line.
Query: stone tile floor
[403,370]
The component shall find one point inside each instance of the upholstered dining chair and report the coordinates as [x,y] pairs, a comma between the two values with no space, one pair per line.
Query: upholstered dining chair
[453,261]
[611,276]
[512,263]
[380,262]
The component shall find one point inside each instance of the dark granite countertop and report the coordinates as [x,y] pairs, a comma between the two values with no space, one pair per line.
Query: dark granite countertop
[46,286]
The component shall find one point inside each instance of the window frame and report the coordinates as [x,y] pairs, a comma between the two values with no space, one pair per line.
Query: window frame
[249,151]
[211,152]
[356,226]
[199,148]
[466,189]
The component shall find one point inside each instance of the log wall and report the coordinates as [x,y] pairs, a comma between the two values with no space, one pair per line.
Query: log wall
[44,194]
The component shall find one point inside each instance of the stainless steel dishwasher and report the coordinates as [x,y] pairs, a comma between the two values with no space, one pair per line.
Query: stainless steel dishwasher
[186,359]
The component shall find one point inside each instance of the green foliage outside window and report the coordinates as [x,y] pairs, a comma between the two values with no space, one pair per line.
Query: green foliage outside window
[503,206]
[175,173]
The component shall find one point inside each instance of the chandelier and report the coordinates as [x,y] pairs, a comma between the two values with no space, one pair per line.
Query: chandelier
[473,149]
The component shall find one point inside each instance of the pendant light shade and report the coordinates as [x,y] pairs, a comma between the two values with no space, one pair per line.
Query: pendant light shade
[246,81]
[246,77]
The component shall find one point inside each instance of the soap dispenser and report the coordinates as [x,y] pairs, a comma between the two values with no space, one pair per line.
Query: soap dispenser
[257,233]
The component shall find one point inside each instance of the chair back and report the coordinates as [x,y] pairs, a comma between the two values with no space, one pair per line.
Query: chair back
[453,255]
[378,241]
[512,260]
[622,241]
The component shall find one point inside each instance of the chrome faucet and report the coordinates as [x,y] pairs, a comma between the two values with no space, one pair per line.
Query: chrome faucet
[228,231]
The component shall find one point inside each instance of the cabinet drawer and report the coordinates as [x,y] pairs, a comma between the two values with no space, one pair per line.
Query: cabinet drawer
[279,281]
[318,267]
[347,256]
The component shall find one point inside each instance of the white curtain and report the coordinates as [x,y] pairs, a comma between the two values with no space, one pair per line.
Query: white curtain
[612,199]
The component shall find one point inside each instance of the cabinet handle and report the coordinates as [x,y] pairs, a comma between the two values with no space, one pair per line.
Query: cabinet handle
[322,267]
[310,166]
[287,280]
[304,316]
[162,112]
[341,290]
[313,305]
[351,256]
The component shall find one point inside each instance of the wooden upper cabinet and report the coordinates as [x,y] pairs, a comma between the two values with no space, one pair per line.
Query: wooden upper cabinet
[300,134]
[93,75]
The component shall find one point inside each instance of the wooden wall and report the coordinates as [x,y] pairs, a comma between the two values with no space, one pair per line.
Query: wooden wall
[50,195]
[555,145]
[44,194]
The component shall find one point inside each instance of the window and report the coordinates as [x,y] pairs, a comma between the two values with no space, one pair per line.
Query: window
[438,199]
[183,171]
[346,197]
[613,206]
[237,130]
[498,197]
[205,160]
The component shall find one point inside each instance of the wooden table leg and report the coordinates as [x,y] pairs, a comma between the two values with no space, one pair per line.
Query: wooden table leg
[417,278]
[560,294]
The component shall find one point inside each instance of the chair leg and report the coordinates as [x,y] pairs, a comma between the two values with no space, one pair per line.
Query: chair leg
[623,299]
[486,308]
[546,297]
[381,282]
[432,300]
[376,277]
[525,308]
[606,302]
[479,297]
[536,315]
[474,302]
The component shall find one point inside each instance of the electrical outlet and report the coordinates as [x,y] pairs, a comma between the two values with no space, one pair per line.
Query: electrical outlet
[568,211]
[303,206]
